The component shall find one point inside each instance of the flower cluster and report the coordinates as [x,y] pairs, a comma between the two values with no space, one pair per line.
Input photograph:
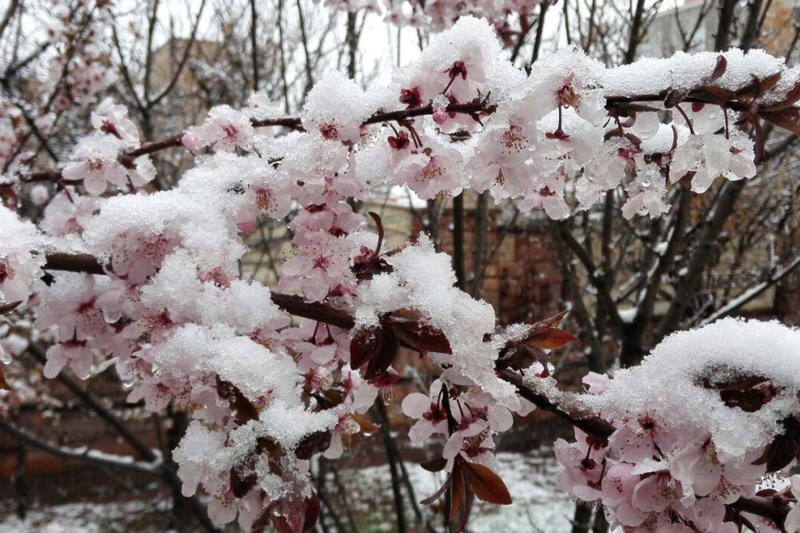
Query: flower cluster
[695,432]
[79,70]
[19,267]
[76,71]
[100,159]
[468,422]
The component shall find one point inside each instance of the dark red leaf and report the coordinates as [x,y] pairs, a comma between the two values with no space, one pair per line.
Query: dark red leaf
[522,357]
[3,383]
[365,345]
[313,444]
[458,492]
[792,96]
[461,525]
[312,512]
[297,517]
[769,83]
[384,359]
[241,484]
[262,520]
[367,427]
[242,407]
[779,454]
[282,525]
[436,465]
[785,119]
[713,95]
[551,321]
[387,379]
[719,68]
[487,485]
[552,338]
[749,400]
[746,392]
[422,337]
[7,308]
[759,86]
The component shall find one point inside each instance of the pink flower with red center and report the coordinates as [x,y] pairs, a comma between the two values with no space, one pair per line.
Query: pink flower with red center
[321,265]
[410,97]
[338,219]
[500,162]
[225,129]
[583,465]
[95,163]
[329,132]
[74,353]
[474,443]
[429,413]
[430,171]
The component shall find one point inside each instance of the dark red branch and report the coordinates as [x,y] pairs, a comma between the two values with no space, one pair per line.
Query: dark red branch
[287,122]
[588,423]
[152,147]
[767,507]
[321,312]
[74,263]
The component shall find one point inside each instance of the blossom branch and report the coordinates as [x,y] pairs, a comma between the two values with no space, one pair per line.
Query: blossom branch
[566,410]
[553,401]
[742,100]
[326,313]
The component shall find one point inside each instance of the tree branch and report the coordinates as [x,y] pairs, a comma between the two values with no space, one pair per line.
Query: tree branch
[80,454]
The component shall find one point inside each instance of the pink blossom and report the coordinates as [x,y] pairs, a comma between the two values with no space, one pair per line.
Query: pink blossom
[431,417]
[74,353]
[430,171]
[225,129]
[320,267]
[582,466]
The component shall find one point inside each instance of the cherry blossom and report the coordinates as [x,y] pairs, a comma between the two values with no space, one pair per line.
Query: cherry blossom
[19,267]
[710,156]
[430,415]
[225,129]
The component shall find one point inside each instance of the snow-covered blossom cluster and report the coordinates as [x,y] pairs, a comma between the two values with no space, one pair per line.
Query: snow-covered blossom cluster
[19,264]
[695,429]
[558,138]
[165,304]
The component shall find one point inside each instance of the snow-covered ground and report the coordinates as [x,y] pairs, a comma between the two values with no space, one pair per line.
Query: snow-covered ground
[139,516]
[538,505]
